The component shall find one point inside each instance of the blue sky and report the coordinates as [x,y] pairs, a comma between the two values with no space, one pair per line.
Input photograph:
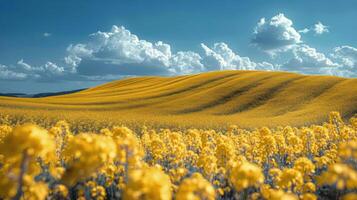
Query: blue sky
[55,45]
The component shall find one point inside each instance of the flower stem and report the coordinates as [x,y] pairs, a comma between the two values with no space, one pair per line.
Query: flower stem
[23,169]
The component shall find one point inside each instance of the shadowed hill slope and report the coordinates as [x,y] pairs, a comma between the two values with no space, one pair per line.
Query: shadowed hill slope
[243,97]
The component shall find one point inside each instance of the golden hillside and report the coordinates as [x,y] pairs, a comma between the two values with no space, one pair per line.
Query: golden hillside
[246,98]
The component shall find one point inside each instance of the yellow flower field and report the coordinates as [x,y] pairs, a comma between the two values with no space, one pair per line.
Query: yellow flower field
[313,162]
[178,100]
[211,100]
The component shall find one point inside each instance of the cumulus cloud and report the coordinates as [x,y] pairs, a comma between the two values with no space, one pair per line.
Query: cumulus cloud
[221,57]
[24,65]
[188,62]
[309,61]
[48,69]
[347,55]
[304,31]
[7,74]
[121,51]
[276,34]
[22,70]
[53,68]
[319,28]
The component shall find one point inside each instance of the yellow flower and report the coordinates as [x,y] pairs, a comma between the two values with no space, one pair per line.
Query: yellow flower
[85,154]
[195,188]
[61,191]
[177,174]
[35,190]
[290,179]
[353,122]
[340,174]
[335,118]
[208,162]
[309,187]
[305,166]
[158,149]
[224,153]
[4,131]
[322,161]
[274,194]
[246,175]
[22,149]
[275,174]
[98,192]
[147,184]
[29,139]
[348,150]
[128,146]
[61,133]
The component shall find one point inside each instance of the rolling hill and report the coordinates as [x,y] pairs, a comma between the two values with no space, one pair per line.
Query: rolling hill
[246,98]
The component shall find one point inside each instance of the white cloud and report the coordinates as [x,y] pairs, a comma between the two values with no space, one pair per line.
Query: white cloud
[347,55]
[304,31]
[45,34]
[53,68]
[337,71]
[80,50]
[120,53]
[276,34]
[319,28]
[7,74]
[309,61]
[119,47]
[23,70]
[48,69]
[72,62]
[24,65]
[221,57]
[186,62]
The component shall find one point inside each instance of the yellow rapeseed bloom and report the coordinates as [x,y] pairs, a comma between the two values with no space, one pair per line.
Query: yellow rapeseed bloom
[340,174]
[290,179]
[22,148]
[246,175]
[148,184]
[195,188]
[304,166]
[85,154]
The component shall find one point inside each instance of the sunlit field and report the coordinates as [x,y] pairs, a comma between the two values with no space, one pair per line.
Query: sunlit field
[214,100]
[218,135]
